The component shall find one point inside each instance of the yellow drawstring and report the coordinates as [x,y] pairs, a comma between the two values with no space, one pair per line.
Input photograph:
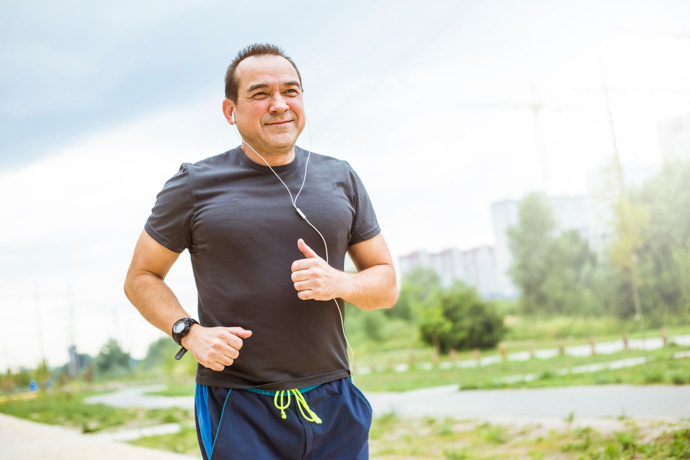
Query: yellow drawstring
[301,404]
[281,407]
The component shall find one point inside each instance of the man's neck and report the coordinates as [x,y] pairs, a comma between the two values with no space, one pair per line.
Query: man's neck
[273,158]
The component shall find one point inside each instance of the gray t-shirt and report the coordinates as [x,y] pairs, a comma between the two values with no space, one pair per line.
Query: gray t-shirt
[235,218]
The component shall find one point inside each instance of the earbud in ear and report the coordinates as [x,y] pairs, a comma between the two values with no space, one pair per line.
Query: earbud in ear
[233,117]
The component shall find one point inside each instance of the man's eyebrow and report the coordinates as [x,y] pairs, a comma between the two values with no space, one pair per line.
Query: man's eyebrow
[260,85]
[257,86]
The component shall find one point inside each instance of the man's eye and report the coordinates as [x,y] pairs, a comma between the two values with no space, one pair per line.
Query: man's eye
[292,90]
[260,94]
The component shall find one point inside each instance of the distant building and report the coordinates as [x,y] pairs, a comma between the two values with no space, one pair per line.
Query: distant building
[476,268]
[504,215]
[77,361]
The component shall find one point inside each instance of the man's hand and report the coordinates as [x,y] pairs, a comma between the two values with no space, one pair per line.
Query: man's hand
[314,279]
[215,347]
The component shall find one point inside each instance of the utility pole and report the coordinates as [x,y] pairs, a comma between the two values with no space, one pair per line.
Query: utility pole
[39,323]
[626,221]
[73,366]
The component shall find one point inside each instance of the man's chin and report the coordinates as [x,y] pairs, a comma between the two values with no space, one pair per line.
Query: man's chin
[282,142]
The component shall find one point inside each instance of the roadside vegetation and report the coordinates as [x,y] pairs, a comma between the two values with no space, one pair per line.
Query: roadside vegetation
[184,442]
[393,438]
[662,368]
[431,438]
[68,409]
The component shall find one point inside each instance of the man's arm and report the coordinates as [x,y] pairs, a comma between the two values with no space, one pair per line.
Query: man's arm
[213,347]
[372,287]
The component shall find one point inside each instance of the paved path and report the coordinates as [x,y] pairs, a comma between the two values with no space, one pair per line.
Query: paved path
[137,397]
[591,402]
[24,440]
[655,401]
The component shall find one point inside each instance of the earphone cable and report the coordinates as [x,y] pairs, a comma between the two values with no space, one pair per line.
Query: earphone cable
[299,211]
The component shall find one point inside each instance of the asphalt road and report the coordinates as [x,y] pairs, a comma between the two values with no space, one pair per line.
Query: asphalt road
[591,402]
[600,401]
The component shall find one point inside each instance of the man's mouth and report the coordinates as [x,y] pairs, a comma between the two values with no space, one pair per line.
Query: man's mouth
[279,122]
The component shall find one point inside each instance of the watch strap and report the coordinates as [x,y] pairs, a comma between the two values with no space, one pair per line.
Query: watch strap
[180,353]
[178,336]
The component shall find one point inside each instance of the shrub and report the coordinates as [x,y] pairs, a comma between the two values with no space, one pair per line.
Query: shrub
[654,377]
[458,319]
[679,378]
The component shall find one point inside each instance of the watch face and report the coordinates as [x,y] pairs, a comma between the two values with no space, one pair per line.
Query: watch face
[179,327]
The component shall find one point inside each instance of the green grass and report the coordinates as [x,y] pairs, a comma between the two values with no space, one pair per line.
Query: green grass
[184,442]
[412,439]
[69,409]
[561,327]
[392,437]
[662,368]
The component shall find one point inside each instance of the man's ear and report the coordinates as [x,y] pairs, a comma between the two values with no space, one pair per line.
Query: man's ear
[229,111]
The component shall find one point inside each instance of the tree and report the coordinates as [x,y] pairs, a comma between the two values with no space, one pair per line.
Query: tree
[557,274]
[658,244]
[529,243]
[112,357]
[569,281]
[417,286]
[22,377]
[7,381]
[434,326]
[160,357]
[42,373]
[457,318]
[158,354]
[629,220]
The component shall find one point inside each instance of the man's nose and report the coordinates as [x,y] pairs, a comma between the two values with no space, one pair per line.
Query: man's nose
[279,104]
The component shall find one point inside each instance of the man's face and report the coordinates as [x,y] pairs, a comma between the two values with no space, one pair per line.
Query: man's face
[269,112]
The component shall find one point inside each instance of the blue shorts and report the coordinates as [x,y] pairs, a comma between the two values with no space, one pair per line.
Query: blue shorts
[249,424]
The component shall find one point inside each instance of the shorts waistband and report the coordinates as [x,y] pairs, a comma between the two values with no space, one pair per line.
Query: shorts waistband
[274,392]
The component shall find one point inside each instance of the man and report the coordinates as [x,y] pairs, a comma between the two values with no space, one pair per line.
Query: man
[267,225]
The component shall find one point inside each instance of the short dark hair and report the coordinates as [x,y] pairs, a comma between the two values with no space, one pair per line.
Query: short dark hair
[256,49]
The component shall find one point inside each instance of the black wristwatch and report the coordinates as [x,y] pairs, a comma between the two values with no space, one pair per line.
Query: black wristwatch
[179,330]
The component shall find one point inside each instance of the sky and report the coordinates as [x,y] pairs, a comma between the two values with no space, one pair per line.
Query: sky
[433,103]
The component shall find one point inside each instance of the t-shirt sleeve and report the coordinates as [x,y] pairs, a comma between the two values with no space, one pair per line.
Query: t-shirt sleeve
[364,224]
[170,222]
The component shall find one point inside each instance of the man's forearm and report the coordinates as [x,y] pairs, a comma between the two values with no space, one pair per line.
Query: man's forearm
[372,288]
[154,299]
[213,347]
